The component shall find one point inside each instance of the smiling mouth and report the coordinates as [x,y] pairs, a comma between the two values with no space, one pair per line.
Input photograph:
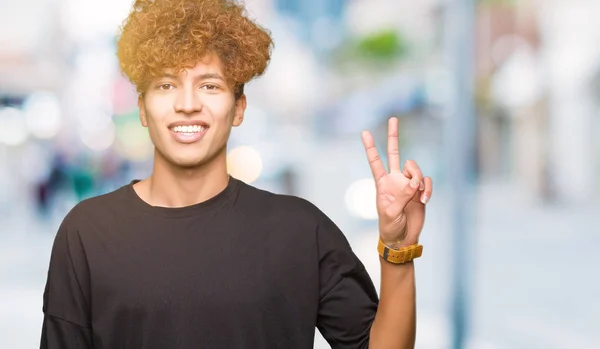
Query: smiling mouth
[188,129]
[188,134]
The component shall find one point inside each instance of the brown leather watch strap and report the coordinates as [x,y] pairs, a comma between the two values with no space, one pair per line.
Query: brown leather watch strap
[401,255]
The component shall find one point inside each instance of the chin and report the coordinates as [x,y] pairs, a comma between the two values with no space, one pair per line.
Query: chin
[189,159]
[188,163]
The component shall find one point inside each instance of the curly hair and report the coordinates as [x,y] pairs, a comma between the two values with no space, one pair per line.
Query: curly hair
[174,34]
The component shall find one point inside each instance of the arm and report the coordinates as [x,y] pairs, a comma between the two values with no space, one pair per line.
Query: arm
[401,198]
[58,333]
[350,313]
[66,323]
[395,322]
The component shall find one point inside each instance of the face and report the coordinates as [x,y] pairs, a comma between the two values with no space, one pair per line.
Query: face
[189,115]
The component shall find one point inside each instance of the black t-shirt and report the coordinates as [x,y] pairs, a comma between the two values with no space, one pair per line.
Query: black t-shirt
[245,269]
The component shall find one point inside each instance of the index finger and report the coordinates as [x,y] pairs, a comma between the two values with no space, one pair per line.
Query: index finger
[373,156]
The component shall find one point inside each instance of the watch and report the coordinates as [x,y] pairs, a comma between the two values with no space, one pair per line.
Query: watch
[399,255]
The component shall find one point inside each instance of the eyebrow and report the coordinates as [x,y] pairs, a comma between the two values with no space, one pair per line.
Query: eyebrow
[206,76]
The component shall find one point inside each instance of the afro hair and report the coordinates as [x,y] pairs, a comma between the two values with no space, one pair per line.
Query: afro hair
[174,34]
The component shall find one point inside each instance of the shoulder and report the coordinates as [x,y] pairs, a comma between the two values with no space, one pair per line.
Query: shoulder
[82,218]
[98,208]
[265,202]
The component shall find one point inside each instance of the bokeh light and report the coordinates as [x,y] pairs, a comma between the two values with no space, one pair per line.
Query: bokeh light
[43,115]
[245,163]
[360,199]
[98,139]
[13,129]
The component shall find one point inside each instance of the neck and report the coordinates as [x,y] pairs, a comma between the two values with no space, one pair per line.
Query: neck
[172,186]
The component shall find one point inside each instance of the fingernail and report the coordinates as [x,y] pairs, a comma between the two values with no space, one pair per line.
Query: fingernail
[424,199]
[422,186]
[414,183]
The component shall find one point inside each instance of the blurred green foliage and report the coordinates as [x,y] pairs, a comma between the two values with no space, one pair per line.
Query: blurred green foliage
[379,49]
[383,45]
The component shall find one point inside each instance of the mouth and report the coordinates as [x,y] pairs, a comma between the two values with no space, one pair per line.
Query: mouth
[188,133]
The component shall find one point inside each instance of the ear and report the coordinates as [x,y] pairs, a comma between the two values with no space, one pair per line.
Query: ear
[240,108]
[142,107]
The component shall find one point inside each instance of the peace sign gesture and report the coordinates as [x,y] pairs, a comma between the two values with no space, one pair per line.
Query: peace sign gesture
[401,193]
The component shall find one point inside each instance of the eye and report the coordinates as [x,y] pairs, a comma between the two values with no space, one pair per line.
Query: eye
[210,87]
[165,87]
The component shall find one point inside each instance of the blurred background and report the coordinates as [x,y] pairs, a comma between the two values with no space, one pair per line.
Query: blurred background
[498,101]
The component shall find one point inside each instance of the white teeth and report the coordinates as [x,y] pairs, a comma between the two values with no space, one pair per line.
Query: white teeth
[188,129]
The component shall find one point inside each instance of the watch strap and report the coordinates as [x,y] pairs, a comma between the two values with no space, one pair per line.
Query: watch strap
[400,255]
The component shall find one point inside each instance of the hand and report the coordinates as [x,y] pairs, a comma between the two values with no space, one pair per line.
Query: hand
[401,194]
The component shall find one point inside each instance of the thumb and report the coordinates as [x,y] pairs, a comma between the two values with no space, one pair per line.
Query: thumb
[404,197]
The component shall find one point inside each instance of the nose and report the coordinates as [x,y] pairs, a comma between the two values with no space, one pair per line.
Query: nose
[187,102]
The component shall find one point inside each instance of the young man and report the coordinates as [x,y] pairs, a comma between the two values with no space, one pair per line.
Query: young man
[193,258]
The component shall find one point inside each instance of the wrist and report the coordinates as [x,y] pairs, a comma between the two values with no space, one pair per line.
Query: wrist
[393,244]
[397,243]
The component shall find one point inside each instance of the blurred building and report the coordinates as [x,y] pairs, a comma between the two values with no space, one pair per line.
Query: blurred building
[538,114]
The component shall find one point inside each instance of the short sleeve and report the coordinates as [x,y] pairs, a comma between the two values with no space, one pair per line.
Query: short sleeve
[348,299]
[66,301]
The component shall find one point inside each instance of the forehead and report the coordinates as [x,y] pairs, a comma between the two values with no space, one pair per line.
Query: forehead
[209,64]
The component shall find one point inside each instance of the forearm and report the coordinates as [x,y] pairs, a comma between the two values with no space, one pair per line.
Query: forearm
[395,322]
